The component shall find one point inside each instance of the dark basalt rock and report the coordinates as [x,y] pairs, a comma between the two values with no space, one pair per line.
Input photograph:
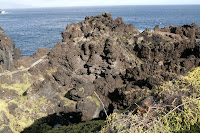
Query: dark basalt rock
[8,52]
[122,65]
[108,61]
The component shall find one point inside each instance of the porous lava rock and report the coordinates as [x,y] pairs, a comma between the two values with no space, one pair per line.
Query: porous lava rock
[108,57]
[104,63]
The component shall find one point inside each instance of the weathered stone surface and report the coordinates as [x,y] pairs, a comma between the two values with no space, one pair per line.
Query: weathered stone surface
[8,52]
[41,52]
[105,57]
[119,63]
[6,129]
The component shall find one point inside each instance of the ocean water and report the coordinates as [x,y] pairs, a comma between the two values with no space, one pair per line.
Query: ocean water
[31,29]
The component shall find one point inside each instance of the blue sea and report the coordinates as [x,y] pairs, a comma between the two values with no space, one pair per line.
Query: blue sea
[31,29]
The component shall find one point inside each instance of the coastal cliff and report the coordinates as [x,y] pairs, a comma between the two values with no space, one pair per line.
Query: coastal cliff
[8,52]
[101,65]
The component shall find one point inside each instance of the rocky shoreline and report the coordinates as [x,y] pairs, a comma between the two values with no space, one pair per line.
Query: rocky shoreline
[99,60]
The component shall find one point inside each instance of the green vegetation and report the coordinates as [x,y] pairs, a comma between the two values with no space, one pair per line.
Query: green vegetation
[20,88]
[21,67]
[85,127]
[177,110]
[51,71]
[27,109]
[94,99]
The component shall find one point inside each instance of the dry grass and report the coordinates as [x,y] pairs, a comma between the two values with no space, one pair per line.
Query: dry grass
[177,110]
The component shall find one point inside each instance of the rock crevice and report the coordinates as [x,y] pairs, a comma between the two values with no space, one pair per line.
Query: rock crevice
[110,58]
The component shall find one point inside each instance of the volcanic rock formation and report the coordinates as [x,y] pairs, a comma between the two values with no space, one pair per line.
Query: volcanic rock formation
[105,57]
[117,62]
[8,52]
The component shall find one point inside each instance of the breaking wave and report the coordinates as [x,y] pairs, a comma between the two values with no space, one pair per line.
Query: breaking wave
[4,12]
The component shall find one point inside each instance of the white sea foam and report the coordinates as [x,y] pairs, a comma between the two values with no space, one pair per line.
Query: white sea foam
[141,30]
[4,12]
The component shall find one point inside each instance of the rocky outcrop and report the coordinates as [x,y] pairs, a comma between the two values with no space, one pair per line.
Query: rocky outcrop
[8,52]
[117,62]
[102,60]
[90,59]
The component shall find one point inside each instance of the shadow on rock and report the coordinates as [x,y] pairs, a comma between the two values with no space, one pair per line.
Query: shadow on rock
[64,123]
